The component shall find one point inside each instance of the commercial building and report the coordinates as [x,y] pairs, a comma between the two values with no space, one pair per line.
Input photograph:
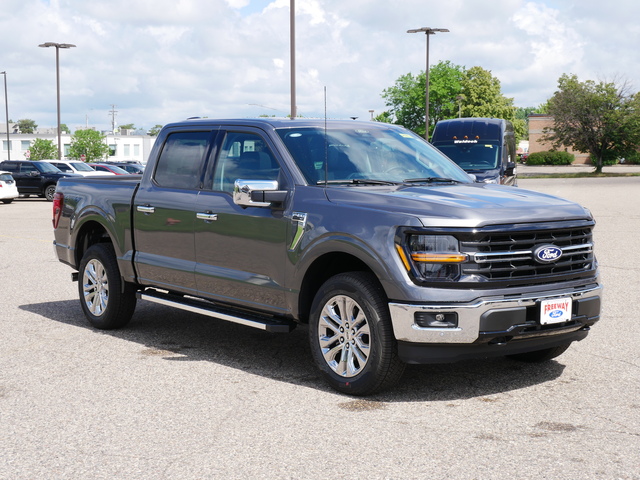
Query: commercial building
[123,146]
[537,124]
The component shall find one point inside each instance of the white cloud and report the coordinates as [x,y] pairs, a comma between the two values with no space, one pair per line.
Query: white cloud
[161,60]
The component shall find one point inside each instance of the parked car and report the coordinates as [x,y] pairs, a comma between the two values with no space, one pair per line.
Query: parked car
[130,167]
[8,188]
[79,168]
[35,178]
[107,168]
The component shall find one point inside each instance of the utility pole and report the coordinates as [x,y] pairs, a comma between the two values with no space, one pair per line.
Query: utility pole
[113,113]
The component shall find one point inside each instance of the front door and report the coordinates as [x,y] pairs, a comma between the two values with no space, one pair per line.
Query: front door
[241,252]
[28,179]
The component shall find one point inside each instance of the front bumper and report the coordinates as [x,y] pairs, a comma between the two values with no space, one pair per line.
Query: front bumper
[497,320]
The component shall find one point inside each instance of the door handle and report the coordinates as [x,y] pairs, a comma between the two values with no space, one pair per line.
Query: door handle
[207,216]
[146,209]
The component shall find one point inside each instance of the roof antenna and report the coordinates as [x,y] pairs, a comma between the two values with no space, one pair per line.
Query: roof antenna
[326,146]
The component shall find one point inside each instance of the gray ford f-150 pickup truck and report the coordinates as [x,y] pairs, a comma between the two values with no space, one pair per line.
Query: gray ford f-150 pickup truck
[384,247]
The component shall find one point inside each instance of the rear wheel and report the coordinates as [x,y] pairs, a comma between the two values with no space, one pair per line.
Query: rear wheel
[351,335]
[106,301]
[539,356]
[49,192]
[7,200]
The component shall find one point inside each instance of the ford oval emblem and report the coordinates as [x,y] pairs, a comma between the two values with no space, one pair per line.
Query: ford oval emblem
[547,253]
[556,314]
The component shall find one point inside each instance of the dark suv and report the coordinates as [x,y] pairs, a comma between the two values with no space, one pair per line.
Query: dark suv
[34,178]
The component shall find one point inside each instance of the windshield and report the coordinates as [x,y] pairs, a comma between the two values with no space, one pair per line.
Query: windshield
[473,156]
[45,167]
[81,167]
[117,170]
[387,155]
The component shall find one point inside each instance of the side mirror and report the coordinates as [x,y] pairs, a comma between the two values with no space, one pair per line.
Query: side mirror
[511,169]
[34,174]
[257,193]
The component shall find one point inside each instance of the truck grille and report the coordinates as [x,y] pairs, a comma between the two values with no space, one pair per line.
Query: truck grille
[509,256]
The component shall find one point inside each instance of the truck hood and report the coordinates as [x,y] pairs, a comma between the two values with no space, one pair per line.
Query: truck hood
[460,205]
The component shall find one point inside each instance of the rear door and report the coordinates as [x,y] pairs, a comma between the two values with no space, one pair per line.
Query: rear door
[241,251]
[164,212]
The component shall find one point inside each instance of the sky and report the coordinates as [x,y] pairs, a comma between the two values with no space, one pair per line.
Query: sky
[158,61]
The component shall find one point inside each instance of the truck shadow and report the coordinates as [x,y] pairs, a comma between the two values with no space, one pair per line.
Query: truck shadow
[177,336]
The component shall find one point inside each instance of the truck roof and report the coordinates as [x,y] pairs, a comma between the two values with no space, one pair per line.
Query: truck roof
[483,128]
[282,122]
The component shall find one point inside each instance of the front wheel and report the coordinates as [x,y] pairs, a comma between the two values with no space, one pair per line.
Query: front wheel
[351,336]
[106,302]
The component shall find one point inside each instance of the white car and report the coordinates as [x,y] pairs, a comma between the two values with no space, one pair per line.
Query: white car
[8,188]
[79,168]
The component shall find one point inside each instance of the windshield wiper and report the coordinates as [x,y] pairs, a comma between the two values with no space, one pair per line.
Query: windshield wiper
[359,181]
[431,180]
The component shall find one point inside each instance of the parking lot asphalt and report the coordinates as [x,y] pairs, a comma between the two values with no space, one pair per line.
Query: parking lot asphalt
[179,396]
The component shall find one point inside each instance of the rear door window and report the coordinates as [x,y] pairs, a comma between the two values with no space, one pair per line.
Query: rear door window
[180,162]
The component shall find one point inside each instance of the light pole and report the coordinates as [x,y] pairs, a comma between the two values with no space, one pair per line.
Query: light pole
[292,40]
[6,106]
[428,31]
[58,46]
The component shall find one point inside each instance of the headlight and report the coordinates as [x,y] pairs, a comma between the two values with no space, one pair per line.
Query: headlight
[432,257]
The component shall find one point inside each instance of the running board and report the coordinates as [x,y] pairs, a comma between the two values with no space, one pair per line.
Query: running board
[190,304]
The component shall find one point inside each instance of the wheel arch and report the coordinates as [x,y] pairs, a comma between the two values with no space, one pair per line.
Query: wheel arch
[88,234]
[320,270]
[94,228]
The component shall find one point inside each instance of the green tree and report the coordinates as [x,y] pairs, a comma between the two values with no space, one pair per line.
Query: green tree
[153,131]
[128,126]
[483,96]
[26,125]
[41,149]
[407,97]
[89,143]
[602,119]
[64,128]
[445,91]
[453,91]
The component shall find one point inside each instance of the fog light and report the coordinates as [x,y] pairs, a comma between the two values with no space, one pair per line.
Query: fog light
[436,320]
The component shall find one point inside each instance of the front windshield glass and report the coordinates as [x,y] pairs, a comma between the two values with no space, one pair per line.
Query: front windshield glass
[350,154]
[473,156]
[116,170]
[81,167]
[45,167]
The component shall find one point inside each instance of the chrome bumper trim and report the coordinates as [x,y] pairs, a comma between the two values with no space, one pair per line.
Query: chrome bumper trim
[405,328]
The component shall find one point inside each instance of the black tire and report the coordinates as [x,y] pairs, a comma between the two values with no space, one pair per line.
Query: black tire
[49,192]
[351,335]
[540,356]
[106,302]
[7,200]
